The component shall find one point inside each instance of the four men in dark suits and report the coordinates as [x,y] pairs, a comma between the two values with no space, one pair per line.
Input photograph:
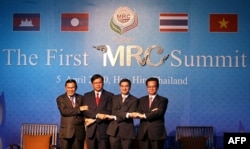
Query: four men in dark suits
[109,119]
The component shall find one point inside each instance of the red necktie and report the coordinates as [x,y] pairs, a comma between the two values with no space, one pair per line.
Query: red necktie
[97,99]
[150,101]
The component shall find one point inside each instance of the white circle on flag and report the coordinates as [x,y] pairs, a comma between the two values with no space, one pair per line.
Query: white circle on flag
[74,22]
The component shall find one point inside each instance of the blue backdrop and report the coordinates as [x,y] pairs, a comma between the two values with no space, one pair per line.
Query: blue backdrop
[198,49]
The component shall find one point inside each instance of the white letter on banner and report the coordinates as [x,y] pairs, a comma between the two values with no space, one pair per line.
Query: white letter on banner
[49,51]
[120,51]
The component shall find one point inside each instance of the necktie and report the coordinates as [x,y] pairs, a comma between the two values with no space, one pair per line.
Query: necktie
[150,101]
[72,101]
[97,99]
[123,99]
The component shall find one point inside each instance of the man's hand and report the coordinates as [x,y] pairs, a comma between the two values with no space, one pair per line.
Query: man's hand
[136,115]
[101,116]
[105,116]
[133,115]
[155,109]
[84,108]
[140,116]
[89,121]
[110,117]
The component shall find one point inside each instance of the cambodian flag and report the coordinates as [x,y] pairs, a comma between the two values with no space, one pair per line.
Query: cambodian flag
[26,22]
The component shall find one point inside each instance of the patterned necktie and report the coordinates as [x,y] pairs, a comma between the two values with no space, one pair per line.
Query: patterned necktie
[97,99]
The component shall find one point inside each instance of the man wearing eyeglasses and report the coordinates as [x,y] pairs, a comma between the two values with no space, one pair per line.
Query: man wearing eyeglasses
[97,119]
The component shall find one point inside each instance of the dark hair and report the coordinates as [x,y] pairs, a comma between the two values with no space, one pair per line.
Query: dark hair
[153,79]
[125,80]
[71,81]
[96,76]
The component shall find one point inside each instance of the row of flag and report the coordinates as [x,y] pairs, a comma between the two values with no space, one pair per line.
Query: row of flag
[169,22]
[172,22]
[69,22]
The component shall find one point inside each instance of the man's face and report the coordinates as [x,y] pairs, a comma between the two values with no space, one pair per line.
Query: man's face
[97,84]
[124,88]
[70,89]
[152,87]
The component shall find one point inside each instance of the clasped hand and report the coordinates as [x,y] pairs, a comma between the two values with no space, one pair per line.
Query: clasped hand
[140,115]
[89,121]
[104,116]
[84,108]
[136,115]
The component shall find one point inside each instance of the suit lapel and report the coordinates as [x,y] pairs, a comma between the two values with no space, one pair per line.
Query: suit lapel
[128,98]
[78,100]
[145,103]
[102,98]
[92,99]
[67,100]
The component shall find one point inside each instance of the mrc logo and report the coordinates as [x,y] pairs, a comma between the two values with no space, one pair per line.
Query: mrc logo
[123,20]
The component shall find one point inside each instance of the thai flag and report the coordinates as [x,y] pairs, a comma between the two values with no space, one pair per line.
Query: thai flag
[173,22]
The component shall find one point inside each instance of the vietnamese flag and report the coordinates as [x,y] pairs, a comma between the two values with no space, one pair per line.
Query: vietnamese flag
[74,22]
[223,22]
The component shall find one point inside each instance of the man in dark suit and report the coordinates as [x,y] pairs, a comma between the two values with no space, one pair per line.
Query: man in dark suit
[99,102]
[151,111]
[121,130]
[72,132]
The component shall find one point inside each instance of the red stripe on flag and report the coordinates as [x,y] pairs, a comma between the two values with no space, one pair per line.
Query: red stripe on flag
[75,28]
[173,30]
[174,14]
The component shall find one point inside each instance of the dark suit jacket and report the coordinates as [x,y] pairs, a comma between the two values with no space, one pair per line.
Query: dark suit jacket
[153,125]
[72,120]
[122,126]
[104,107]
